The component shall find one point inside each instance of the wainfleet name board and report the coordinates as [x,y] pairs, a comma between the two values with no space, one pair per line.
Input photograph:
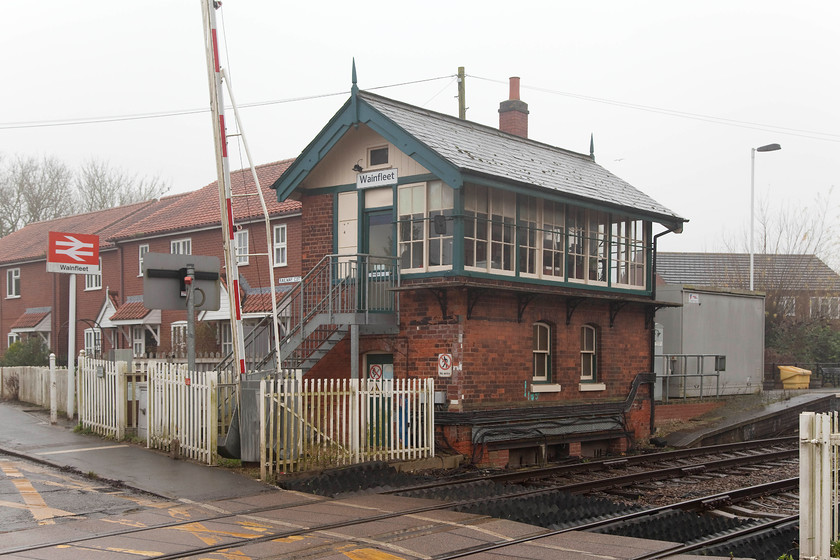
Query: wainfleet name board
[73,253]
[381,178]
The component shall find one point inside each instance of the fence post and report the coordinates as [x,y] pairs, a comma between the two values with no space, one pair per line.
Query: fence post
[213,411]
[814,486]
[263,435]
[121,393]
[53,396]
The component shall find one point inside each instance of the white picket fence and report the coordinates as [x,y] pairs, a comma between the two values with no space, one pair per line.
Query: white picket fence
[819,483]
[181,408]
[182,411]
[332,422]
[102,396]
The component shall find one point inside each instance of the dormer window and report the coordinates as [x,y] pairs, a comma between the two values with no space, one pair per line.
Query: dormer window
[378,157]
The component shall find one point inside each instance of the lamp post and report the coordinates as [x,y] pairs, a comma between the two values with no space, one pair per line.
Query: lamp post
[767,148]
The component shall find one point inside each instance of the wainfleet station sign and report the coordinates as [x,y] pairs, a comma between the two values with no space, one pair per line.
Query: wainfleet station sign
[73,253]
[381,178]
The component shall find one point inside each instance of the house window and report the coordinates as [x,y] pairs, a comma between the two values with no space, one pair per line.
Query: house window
[94,281]
[825,307]
[180,247]
[425,226]
[787,306]
[226,339]
[179,337]
[378,156]
[489,229]
[280,253]
[542,352]
[628,253]
[13,283]
[141,252]
[12,338]
[241,244]
[93,342]
[588,354]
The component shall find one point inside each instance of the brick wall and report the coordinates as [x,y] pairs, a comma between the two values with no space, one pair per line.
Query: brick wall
[494,351]
[317,229]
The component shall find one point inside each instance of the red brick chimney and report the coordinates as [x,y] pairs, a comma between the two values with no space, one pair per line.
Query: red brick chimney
[513,113]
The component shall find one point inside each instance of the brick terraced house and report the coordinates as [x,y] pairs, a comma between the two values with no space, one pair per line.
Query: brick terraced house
[517,274]
[109,306]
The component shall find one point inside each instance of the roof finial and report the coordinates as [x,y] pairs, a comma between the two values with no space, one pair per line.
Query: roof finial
[592,146]
[355,89]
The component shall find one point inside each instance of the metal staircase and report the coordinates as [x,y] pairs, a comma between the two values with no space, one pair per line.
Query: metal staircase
[340,291]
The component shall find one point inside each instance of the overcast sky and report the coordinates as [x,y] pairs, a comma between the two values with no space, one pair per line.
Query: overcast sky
[676,93]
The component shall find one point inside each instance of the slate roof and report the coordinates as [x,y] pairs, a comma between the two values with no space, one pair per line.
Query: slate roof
[483,150]
[732,270]
[200,209]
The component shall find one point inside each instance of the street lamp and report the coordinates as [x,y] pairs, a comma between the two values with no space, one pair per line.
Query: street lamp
[767,148]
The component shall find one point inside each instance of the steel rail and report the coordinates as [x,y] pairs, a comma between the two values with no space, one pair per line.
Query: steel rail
[696,504]
[729,536]
[604,464]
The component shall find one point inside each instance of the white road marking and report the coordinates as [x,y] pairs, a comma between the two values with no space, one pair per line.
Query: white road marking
[82,449]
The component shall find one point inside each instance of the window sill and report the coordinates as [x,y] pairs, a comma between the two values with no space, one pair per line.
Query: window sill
[545,387]
[13,297]
[592,387]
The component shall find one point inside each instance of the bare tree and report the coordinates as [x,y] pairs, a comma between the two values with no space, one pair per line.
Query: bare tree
[33,190]
[795,252]
[100,186]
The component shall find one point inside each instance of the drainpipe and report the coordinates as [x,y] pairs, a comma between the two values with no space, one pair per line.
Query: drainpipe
[652,389]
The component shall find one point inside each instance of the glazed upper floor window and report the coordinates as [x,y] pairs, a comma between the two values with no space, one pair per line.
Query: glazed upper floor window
[425,222]
[240,239]
[377,157]
[141,253]
[180,247]
[13,283]
[94,281]
[489,229]
[280,246]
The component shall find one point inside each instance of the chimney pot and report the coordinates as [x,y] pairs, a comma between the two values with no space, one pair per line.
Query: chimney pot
[514,88]
[513,113]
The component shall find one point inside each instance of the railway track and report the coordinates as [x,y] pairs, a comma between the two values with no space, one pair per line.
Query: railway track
[734,512]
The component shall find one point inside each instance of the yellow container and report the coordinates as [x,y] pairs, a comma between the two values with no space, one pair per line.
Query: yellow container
[794,377]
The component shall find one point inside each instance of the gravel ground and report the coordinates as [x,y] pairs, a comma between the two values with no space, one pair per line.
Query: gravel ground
[659,493]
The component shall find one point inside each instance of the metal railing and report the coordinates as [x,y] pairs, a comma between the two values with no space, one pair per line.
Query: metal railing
[679,368]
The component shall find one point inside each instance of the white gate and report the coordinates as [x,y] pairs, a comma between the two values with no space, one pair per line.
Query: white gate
[182,411]
[332,422]
[102,396]
[819,482]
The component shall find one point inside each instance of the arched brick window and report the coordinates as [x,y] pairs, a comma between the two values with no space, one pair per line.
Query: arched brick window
[542,352]
[588,354]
